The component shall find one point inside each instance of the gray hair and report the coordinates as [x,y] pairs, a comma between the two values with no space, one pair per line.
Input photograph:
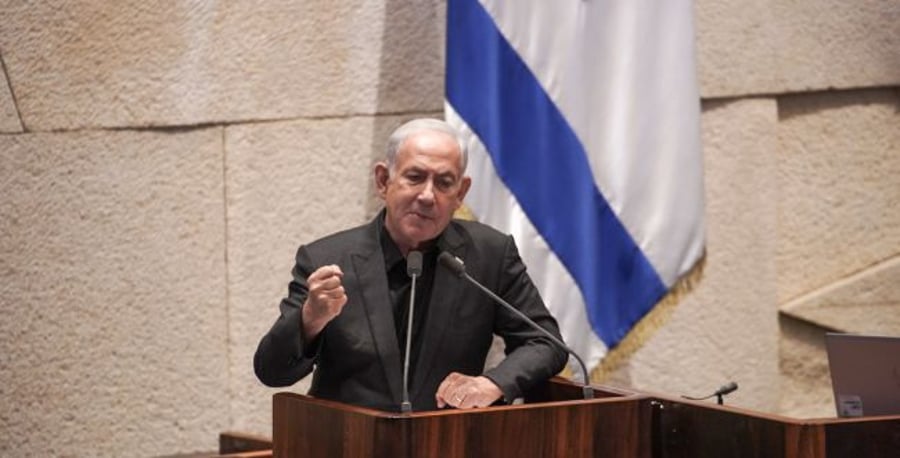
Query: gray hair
[410,128]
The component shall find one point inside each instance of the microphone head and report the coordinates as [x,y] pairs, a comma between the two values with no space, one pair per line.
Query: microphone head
[725,389]
[452,263]
[414,263]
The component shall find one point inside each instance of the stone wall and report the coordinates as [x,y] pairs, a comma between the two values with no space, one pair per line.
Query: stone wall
[160,163]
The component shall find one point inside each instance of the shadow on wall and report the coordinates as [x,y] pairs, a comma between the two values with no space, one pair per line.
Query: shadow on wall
[411,73]
[806,381]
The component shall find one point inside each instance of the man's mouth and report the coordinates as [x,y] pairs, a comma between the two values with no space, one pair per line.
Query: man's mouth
[421,215]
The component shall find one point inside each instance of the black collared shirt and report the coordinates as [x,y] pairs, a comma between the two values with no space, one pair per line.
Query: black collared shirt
[399,284]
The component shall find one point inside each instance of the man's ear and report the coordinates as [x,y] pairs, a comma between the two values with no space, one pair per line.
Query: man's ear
[464,186]
[382,174]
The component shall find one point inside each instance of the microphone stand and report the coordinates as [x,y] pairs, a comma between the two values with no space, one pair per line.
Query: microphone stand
[413,269]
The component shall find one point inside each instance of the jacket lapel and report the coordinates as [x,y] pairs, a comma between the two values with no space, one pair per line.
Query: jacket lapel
[444,296]
[369,268]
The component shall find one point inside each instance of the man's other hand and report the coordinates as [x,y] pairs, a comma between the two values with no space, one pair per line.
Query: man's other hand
[464,391]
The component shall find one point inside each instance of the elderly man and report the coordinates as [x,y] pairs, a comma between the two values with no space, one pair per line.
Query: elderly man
[346,309]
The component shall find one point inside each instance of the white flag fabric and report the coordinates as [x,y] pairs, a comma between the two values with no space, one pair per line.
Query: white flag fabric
[583,120]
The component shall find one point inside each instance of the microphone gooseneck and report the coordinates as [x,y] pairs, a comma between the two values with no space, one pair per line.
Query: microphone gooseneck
[728,388]
[413,269]
[456,266]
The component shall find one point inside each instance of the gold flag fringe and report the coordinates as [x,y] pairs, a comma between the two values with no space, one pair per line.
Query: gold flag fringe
[464,212]
[649,324]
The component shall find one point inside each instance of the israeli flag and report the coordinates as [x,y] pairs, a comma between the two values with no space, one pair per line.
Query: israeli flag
[583,123]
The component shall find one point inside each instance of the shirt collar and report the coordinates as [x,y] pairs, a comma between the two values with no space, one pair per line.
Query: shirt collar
[389,248]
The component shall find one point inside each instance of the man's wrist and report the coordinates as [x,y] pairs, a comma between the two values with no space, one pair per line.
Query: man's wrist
[491,387]
[310,326]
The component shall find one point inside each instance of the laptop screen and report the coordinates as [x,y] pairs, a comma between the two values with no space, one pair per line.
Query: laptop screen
[865,374]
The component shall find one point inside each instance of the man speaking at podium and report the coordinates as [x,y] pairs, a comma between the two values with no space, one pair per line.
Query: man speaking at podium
[347,306]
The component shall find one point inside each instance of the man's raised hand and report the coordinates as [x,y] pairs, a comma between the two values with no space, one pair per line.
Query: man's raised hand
[325,300]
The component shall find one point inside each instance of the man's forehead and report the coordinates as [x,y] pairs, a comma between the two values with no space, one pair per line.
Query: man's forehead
[430,150]
[440,165]
[431,139]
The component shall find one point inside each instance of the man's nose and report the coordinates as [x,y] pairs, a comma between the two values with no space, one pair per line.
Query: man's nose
[427,193]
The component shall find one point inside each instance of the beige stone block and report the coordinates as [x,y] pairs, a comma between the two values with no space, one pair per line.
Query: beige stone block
[781,47]
[736,48]
[9,116]
[864,303]
[726,329]
[288,183]
[112,292]
[839,205]
[837,44]
[133,63]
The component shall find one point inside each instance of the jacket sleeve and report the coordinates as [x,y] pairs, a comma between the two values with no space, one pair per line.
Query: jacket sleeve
[281,358]
[531,358]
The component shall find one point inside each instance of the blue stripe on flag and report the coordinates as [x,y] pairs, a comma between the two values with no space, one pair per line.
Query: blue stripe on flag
[542,162]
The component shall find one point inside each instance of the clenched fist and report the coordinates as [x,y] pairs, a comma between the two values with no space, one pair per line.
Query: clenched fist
[325,300]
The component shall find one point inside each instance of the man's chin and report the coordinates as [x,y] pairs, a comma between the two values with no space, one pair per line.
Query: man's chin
[421,233]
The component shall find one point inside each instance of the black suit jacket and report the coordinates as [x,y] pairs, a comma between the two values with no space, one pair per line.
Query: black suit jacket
[357,356]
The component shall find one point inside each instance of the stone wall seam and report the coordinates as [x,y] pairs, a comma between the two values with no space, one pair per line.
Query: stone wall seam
[850,277]
[228,338]
[12,94]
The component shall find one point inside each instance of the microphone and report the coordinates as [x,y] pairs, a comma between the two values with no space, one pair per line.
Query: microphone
[456,266]
[723,390]
[728,388]
[731,387]
[413,269]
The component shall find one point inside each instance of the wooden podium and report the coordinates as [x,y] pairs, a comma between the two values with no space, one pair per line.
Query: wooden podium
[556,422]
[696,429]
[553,422]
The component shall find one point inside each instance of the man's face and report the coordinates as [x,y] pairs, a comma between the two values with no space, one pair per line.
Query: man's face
[423,189]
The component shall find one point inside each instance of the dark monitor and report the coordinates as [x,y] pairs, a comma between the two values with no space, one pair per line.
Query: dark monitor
[865,374]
